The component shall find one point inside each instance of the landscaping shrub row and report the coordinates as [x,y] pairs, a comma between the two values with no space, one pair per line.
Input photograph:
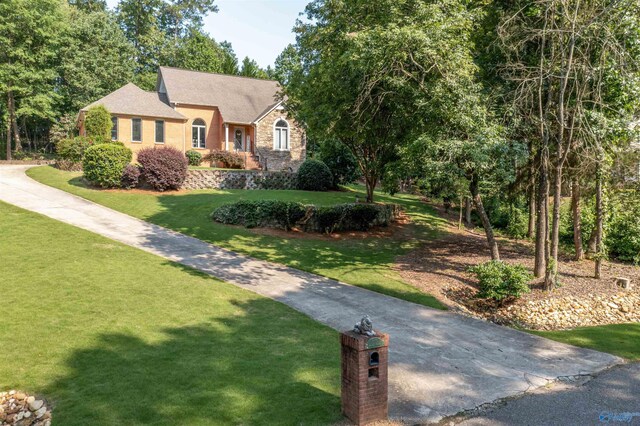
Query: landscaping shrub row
[309,218]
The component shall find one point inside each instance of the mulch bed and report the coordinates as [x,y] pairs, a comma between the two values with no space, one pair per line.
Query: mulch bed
[439,267]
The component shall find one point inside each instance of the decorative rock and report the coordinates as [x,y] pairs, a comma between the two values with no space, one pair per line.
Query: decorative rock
[20,409]
[35,405]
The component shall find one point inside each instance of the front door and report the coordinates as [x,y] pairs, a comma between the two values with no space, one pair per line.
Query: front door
[238,139]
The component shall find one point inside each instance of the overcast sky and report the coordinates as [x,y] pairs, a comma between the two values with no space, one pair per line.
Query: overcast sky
[260,29]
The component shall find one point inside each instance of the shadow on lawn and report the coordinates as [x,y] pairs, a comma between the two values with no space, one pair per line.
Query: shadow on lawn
[236,370]
[361,261]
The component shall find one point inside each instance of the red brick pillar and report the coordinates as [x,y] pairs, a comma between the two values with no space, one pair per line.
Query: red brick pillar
[364,377]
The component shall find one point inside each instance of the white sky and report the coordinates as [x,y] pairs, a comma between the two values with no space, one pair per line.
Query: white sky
[260,29]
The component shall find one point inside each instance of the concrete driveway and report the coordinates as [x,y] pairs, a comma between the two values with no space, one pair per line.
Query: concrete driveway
[440,363]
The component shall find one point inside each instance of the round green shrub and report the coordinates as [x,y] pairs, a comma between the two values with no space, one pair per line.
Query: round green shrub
[73,149]
[194,157]
[314,175]
[103,164]
[498,280]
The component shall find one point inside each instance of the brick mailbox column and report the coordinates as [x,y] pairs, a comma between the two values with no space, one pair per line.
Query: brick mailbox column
[364,376]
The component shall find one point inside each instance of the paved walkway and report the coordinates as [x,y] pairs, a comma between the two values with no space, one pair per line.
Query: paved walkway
[440,363]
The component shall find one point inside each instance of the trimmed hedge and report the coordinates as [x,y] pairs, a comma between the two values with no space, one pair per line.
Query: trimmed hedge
[314,175]
[104,163]
[194,157]
[309,218]
[163,168]
[263,214]
[229,160]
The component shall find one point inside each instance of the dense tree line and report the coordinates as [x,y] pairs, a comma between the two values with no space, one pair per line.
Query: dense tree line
[489,102]
[56,57]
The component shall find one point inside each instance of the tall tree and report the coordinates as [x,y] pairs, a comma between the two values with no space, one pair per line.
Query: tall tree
[376,76]
[250,68]
[178,17]
[555,51]
[89,5]
[95,59]
[29,32]
[230,60]
[197,51]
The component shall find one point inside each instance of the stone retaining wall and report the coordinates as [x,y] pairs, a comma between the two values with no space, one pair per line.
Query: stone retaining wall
[239,179]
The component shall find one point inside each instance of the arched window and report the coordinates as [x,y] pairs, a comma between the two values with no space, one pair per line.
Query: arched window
[281,135]
[198,132]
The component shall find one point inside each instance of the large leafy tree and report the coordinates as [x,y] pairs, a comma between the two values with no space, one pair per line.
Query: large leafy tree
[95,59]
[29,32]
[377,75]
[250,68]
[197,51]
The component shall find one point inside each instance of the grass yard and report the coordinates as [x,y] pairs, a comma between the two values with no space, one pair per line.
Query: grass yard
[365,262]
[109,334]
[619,339]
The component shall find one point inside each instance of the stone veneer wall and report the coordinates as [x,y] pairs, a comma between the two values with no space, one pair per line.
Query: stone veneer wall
[239,179]
[280,160]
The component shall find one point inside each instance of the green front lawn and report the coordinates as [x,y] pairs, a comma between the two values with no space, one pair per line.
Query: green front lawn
[619,339]
[109,334]
[365,262]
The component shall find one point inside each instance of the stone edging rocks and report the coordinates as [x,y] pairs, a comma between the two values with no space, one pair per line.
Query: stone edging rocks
[239,179]
[559,313]
[19,408]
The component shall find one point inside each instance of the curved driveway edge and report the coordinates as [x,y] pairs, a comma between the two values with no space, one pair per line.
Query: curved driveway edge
[441,363]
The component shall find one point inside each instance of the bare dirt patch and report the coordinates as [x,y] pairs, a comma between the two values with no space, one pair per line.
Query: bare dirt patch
[439,267]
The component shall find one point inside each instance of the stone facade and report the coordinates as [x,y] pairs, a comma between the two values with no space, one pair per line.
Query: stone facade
[239,179]
[272,159]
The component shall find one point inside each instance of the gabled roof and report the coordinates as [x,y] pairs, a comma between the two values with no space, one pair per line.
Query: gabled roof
[132,100]
[239,99]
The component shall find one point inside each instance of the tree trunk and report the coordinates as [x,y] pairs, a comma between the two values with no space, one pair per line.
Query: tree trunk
[551,276]
[13,121]
[541,257]
[577,225]
[591,244]
[460,218]
[467,210]
[599,220]
[477,200]
[8,147]
[531,231]
[371,182]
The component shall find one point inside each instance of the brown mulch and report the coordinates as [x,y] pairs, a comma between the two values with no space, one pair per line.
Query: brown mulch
[439,267]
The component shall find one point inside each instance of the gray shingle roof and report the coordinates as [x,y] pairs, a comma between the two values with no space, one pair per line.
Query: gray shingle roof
[132,100]
[239,99]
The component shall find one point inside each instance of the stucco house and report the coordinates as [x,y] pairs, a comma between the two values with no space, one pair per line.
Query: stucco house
[206,111]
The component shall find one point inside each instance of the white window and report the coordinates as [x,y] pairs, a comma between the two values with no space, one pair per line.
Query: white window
[281,135]
[198,132]
[114,128]
[136,130]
